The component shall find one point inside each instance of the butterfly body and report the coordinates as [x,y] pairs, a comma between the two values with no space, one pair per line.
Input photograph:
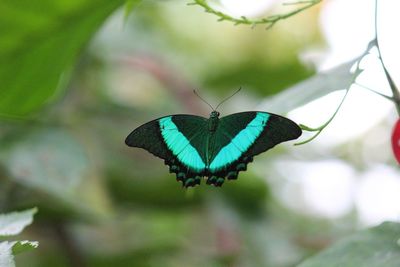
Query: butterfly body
[195,147]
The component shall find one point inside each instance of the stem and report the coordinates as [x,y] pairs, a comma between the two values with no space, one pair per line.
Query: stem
[6,191]
[373,91]
[269,21]
[68,245]
[323,126]
[395,91]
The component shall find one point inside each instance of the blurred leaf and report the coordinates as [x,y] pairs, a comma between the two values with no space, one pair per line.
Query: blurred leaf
[158,192]
[147,257]
[315,87]
[155,190]
[46,159]
[14,222]
[377,246]
[129,6]
[258,76]
[52,163]
[39,41]
[249,194]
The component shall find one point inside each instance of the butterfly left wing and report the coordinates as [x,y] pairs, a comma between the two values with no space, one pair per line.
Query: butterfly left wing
[148,137]
[241,136]
[178,139]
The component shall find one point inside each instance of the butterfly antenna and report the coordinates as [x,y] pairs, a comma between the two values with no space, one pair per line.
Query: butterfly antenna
[229,97]
[195,92]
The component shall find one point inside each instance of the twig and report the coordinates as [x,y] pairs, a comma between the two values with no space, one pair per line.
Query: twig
[269,21]
[395,91]
[75,257]
[373,91]
[323,126]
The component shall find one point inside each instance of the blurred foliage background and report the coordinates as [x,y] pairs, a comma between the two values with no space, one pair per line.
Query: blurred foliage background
[101,203]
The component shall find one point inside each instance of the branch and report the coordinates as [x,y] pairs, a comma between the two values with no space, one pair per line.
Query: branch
[395,91]
[67,244]
[373,91]
[319,129]
[268,21]
[323,126]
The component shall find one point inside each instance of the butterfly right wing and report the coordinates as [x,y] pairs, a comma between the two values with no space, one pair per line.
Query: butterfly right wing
[241,136]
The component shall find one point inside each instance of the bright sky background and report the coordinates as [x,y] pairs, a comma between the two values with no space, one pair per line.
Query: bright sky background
[332,188]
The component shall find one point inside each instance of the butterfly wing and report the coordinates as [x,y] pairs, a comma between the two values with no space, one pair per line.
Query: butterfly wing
[178,139]
[243,135]
[192,151]
[277,129]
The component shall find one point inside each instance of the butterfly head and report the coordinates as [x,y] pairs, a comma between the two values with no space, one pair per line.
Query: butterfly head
[214,114]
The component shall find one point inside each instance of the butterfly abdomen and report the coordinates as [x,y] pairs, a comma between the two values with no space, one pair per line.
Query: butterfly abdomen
[213,124]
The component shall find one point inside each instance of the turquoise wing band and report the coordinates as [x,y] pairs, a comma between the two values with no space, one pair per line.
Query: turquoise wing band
[240,143]
[180,146]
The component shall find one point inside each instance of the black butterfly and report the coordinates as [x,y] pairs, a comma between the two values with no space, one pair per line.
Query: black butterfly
[194,147]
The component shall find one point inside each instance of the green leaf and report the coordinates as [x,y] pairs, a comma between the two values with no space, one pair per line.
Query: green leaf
[129,6]
[377,246]
[13,223]
[9,249]
[261,77]
[39,41]
[22,246]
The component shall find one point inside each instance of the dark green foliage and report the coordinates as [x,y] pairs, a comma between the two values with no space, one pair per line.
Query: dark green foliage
[39,43]
[262,77]
[377,246]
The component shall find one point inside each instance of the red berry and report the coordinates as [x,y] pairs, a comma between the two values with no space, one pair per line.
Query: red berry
[396,141]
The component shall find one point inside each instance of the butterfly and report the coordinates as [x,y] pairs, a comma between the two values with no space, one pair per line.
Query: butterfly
[217,148]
